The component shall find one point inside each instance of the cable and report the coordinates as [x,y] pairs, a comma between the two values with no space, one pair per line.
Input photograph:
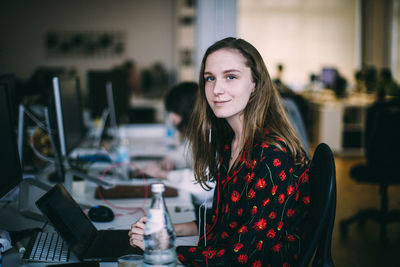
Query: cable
[36,120]
[40,155]
[134,209]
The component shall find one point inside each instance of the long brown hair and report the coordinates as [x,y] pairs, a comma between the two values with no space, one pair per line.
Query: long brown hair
[207,134]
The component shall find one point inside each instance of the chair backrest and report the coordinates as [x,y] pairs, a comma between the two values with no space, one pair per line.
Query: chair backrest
[321,217]
[382,142]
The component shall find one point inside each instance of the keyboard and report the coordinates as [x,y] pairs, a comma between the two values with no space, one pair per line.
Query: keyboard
[47,247]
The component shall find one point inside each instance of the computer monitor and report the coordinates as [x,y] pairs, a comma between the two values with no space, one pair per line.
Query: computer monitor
[10,166]
[69,112]
[8,80]
[328,77]
[97,99]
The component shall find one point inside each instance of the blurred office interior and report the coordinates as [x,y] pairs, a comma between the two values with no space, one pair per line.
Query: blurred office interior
[331,57]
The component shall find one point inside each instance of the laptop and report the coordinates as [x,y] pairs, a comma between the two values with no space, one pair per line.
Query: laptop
[82,237]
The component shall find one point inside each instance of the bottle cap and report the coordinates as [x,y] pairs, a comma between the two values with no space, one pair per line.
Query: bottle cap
[157,187]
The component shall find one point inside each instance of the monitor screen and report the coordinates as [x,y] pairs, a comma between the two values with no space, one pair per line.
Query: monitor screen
[97,93]
[11,173]
[328,77]
[69,113]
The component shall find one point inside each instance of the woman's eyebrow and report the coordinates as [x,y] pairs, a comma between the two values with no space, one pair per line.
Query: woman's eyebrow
[225,71]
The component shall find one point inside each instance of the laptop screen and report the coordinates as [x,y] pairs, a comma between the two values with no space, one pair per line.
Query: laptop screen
[68,219]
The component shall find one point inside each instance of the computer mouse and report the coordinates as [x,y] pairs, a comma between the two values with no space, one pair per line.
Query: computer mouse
[101,213]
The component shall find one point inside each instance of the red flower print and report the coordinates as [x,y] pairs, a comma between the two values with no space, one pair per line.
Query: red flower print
[290,238]
[242,258]
[273,190]
[277,247]
[234,180]
[260,224]
[257,263]
[242,229]
[249,177]
[235,196]
[271,233]
[221,252]
[306,200]
[272,215]
[251,194]
[253,164]
[260,183]
[210,236]
[304,178]
[180,257]
[224,235]
[226,208]
[279,139]
[243,157]
[281,198]
[233,225]
[209,254]
[284,149]
[276,162]
[226,147]
[290,190]
[290,212]
[259,245]
[297,196]
[254,210]
[291,170]
[280,225]
[192,249]
[264,145]
[240,212]
[265,202]
[238,247]
[213,218]
[282,175]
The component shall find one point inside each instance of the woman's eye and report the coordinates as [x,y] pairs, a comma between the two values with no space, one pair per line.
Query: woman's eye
[209,78]
[231,77]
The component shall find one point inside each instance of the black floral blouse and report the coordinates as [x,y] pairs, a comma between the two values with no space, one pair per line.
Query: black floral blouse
[258,212]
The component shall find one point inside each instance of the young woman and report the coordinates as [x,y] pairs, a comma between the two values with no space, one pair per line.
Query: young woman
[241,139]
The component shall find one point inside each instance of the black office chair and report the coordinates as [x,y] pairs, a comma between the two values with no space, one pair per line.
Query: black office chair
[322,175]
[382,148]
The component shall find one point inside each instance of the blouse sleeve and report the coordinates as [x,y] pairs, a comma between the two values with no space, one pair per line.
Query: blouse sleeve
[267,230]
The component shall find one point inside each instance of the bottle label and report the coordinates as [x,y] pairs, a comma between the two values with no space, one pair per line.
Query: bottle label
[155,221]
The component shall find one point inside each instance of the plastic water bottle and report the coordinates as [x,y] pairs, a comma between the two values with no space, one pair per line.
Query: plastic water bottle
[159,234]
[122,155]
[170,132]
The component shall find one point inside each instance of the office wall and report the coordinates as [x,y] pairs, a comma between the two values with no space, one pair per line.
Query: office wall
[303,35]
[148,27]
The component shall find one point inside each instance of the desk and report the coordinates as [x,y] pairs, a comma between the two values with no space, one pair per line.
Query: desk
[12,220]
[339,122]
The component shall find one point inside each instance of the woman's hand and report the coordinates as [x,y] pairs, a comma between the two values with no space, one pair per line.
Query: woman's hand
[155,170]
[136,233]
[167,164]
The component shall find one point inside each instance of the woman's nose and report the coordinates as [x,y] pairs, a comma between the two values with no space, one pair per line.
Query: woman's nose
[218,88]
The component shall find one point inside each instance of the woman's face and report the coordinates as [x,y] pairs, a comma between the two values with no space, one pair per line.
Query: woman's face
[228,83]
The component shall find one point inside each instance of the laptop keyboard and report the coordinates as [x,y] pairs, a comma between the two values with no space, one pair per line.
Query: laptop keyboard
[47,247]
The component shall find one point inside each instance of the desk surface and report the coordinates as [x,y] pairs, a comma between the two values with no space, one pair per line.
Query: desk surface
[125,215]
[126,211]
